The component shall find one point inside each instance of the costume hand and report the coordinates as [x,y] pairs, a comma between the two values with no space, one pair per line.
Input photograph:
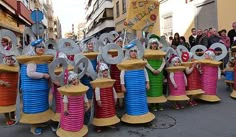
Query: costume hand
[56,83]
[156,72]
[66,113]
[99,102]
[46,76]
[175,86]
[147,86]
[87,106]
[123,89]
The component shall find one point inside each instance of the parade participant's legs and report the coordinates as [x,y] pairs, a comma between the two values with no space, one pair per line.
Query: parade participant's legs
[36,130]
[9,120]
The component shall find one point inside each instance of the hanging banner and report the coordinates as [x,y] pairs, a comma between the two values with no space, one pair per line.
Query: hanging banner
[142,14]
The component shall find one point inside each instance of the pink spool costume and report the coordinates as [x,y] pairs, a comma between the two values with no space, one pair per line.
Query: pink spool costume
[177,82]
[193,77]
[210,75]
[72,114]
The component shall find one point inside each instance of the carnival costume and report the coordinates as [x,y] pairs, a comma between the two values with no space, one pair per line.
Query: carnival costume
[177,81]
[134,82]
[72,112]
[105,96]
[34,71]
[210,70]
[8,78]
[155,65]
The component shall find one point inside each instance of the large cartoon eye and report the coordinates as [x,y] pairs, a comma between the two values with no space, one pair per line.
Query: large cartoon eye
[109,59]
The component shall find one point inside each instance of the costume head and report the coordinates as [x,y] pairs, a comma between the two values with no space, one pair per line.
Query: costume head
[186,56]
[38,47]
[210,54]
[90,46]
[154,42]
[103,70]
[119,41]
[174,61]
[132,50]
[72,78]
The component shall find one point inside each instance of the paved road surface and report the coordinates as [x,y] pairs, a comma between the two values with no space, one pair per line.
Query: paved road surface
[204,120]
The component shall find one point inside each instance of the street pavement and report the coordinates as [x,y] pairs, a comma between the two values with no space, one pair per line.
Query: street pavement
[204,120]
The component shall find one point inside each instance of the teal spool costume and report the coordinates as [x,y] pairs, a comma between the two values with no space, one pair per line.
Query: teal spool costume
[156,63]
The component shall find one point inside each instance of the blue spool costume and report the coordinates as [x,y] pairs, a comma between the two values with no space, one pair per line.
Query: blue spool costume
[135,97]
[35,91]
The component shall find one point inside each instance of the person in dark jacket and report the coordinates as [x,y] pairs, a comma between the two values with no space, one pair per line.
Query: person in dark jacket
[184,43]
[232,34]
[192,38]
[214,38]
[202,38]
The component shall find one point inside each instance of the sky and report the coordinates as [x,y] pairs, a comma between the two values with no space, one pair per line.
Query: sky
[69,12]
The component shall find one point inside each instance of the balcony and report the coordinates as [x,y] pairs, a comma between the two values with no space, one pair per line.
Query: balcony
[12,4]
[23,12]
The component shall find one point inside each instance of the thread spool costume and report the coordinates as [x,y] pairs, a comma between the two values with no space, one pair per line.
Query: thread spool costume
[58,81]
[134,81]
[34,71]
[229,74]
[8,77]
[155,65]
[91,52]
[193,74]
[177,81]
[72,118]
[210,70]
[105,96]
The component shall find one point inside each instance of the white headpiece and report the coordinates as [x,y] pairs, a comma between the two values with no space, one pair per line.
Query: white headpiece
[210,53]
[72,76]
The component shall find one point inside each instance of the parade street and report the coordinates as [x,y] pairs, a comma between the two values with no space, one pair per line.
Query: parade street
[204,120]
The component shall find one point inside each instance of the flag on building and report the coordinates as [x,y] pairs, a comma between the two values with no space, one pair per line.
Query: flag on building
[142,14]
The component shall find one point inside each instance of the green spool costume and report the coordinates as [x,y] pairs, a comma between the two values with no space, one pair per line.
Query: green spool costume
[156,62]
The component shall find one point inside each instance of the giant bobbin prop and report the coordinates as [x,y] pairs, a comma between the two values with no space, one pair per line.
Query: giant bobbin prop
[210,70]
[35,98]
[193,74]
[155,59]
[175,94]
[113,59]
[8,75]
[136,112]
[72,125]
[62,71]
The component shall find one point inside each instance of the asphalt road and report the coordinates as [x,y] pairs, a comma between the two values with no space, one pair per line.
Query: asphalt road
[204,120]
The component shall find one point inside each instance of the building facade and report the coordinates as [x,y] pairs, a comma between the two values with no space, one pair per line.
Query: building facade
[15,15]
[183,15]
[99,17]
[81,31]
[57,29]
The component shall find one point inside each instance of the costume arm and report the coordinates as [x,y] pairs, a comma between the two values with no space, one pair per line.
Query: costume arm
[219,73]
[114,93]
[85,98]
[146,75]
[172,79]
[150,67]
[97,94]
[162,65]
[31,72]
[185,80]
[122,79]
[65,99]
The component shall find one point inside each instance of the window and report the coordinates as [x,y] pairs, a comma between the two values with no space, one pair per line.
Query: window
[117,9]
[124,6]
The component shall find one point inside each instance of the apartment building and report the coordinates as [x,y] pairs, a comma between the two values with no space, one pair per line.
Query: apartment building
[99,17]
